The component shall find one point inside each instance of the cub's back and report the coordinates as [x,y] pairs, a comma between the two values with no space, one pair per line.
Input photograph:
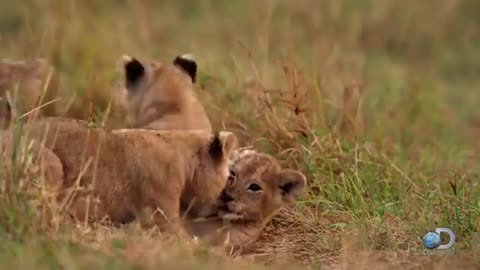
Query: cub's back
[79,145]
[113,155]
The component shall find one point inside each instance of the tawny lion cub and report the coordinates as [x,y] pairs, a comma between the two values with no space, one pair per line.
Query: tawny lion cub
[258,188]
[160,96]
[132,172]
[22,85]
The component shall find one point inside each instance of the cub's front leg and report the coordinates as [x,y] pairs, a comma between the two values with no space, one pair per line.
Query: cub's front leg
[166,213]
[161,198]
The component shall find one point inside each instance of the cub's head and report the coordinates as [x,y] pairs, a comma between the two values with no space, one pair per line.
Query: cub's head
[28,71]
[153,89]
[210,174]
[258,187]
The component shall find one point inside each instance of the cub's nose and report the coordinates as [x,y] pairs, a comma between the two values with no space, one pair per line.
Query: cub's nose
[225,197]
[232,177]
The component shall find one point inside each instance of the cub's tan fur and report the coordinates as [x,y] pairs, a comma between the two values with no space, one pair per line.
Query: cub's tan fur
[30,77]
[160,96]
[132,172]
[261,188]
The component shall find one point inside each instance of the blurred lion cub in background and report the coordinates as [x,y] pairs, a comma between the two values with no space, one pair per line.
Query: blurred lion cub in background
[161,96]
[25,85]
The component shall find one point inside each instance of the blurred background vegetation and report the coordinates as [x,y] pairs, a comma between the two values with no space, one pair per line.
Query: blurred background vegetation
[375,100]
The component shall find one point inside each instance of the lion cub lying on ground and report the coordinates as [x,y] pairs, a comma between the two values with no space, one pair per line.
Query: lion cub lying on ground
[160,96]
[258,188]
[133,172]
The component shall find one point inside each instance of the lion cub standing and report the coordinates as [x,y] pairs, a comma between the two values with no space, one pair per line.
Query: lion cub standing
[161,97]
[132,172]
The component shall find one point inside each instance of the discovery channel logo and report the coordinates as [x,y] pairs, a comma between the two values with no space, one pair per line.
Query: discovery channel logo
[433,242]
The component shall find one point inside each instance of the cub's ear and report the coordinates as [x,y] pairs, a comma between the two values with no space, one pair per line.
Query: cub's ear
[291,184]
[187,63]
[134,70]
[222,145]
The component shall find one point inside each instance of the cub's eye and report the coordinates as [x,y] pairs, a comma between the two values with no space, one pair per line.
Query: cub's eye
[254,188]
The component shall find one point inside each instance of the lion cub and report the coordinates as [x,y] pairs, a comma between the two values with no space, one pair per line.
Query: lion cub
[129,173]
[161,97]
[30,76]
[258,188]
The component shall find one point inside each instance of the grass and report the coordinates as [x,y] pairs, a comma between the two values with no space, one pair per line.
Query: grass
[375,101]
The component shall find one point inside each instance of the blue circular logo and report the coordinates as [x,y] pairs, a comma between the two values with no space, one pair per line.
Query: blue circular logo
[431,240]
